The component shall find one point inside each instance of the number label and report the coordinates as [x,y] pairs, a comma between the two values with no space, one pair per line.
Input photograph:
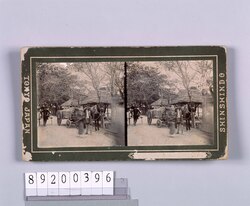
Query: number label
[75,183]
[42,183]
[53,185]
[63,179]
[108,182]
[31,179]
[97,177]
[86,183]
[42,177]
[63,183]
[30,184]
[86,176]
[108,177]
[69,183]
[53,178]
[96,183]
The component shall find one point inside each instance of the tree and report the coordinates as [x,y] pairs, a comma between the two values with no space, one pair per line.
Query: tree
[184,72]
[115,73]
[54,83]
[191,73]
[169,92]
[205,71]
[144,83]
[94,73]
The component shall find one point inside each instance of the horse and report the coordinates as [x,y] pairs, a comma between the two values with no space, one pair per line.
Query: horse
[187,116]
[96,116]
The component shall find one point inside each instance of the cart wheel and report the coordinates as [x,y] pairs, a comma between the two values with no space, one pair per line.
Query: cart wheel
[159,123]
[149,116]
[68,123]
[59,119]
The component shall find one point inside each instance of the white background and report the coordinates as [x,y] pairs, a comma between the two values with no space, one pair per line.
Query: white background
[133,23]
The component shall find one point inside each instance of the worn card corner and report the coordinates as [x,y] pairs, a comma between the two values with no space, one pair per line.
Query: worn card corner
[24,50]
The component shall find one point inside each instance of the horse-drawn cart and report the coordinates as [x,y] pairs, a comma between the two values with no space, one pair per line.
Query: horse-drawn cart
[63,114]
[163,115]
[74,115]
[71,115]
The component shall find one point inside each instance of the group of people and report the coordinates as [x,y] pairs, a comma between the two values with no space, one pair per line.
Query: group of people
[44,114]
[88,116]
[47,110]
[83,118]
[178,117]
[184,113]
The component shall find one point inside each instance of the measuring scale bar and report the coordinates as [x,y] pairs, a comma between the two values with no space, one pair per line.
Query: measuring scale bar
[121,192]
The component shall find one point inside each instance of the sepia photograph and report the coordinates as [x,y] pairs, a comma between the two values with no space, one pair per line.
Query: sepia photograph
[80,104]
[170,103]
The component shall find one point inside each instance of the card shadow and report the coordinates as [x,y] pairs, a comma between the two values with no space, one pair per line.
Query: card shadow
[234,131]
[15,74]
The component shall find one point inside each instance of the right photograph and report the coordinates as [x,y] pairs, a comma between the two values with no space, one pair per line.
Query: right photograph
[170,103]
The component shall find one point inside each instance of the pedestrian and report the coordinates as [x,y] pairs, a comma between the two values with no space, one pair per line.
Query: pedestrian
[188,118]
[45,113]
[136,114]
[172,121]
[192,109]
[80,127]
[129,115]
[179,120]
[102,114]
[87,119]
[78,115]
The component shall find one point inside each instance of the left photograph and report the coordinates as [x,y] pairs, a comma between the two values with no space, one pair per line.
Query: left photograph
[80,104]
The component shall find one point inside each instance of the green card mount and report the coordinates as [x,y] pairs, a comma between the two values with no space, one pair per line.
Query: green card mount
[124,103]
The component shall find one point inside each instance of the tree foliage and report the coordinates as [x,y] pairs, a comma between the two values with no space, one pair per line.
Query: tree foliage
[92,71]
[102,74]
[115,74]
[182,70]
[54,83]
[145,84]
[205,71]
[192,73]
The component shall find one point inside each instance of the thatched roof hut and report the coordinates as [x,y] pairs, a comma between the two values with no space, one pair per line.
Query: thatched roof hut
[160,102]
[92,98]
[183,98]
[70,103]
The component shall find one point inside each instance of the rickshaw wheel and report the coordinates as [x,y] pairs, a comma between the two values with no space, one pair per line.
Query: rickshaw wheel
[159,123]
[68,123]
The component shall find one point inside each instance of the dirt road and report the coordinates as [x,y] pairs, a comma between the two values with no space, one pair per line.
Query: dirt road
[144,134]
[53,135]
